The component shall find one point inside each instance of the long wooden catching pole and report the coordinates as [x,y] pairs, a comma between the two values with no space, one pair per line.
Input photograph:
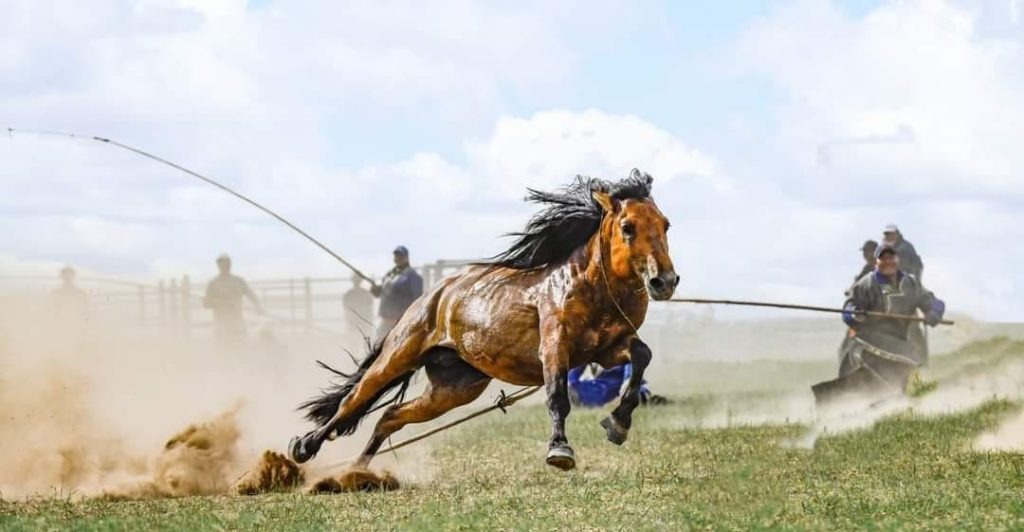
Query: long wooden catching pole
[800,307]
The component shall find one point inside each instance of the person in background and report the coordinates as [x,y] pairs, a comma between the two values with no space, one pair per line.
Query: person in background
[224,295]
[883,346]
[868,252]
[910,261]
[357,303]
[70,303]
[399,288]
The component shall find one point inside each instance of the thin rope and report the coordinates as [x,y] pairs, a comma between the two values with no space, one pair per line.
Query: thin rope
[208,180]
[604,275]
[503,401]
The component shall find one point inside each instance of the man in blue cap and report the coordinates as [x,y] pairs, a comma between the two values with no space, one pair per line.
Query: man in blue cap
[880,350]
[397,290]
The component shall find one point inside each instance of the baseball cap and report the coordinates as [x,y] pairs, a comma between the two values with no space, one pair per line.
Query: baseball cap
[891,228]
[401,250]
[884,247]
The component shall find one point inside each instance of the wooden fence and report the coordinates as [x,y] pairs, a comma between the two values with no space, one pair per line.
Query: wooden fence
[299,305]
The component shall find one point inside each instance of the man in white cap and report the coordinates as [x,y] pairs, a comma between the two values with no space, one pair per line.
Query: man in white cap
[224,295]
[399,288]
[910,262]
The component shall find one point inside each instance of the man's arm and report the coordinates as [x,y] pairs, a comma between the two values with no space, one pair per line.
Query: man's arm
[933,307]
[855,305]
[916,264]
[416,285]
[248,293]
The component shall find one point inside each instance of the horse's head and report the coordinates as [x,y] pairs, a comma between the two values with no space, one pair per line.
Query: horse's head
[637,231]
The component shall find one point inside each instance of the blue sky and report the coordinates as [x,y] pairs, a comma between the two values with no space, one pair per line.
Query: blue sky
[371,124]
[660,68]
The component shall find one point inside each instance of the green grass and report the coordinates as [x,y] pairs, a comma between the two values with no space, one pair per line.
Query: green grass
[905,472]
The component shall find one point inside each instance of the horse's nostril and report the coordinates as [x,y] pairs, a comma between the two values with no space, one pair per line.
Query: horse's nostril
[657,283]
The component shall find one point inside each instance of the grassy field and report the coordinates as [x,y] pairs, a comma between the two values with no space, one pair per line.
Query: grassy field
[906,471]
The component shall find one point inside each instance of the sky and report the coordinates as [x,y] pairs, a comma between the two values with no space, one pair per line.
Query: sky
[781,135]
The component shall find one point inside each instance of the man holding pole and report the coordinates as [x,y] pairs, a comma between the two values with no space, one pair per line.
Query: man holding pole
[879,350]
[399,288]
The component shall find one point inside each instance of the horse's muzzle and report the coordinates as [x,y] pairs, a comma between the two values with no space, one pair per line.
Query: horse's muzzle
[662,286]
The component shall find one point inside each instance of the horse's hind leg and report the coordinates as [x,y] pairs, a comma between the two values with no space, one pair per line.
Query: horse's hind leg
[398,360]
[453,383]
[618,423]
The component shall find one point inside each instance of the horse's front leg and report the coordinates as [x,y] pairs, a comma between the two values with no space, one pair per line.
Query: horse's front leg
[555,360]
[618,423]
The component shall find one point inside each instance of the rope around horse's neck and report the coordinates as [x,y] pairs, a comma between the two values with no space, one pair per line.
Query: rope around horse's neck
[604,275]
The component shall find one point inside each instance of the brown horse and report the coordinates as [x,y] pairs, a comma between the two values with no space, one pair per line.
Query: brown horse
[572,289]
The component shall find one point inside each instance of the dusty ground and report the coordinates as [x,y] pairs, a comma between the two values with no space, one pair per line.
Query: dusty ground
[741,446]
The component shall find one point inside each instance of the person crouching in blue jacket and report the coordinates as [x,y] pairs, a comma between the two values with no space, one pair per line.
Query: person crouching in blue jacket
[604,386]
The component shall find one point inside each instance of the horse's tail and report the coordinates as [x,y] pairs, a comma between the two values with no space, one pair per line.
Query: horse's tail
[321,410]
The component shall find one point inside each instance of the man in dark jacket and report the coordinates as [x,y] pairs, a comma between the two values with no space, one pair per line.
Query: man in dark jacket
[910,261]
[868,251]
[224,295]
[399,288]
[882,346]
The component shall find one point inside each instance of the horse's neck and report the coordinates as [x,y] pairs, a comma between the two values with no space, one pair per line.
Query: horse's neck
[626,289]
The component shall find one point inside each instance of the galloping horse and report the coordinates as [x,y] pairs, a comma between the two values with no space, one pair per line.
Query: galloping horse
[572,289]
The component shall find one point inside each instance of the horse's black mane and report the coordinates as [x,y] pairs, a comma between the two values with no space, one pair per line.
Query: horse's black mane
[569,218]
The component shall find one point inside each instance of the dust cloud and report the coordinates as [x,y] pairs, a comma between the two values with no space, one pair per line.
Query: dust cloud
[93,407]
[102,407]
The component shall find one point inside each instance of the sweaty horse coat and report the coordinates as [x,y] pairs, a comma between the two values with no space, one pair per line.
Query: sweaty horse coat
[571,290]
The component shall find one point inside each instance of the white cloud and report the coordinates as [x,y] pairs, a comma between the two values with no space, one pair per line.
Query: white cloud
[919,67]
[909,114]
[916,107]
[423,201]
[551,145]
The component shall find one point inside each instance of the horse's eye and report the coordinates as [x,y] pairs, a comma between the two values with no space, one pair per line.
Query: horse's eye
[628,230]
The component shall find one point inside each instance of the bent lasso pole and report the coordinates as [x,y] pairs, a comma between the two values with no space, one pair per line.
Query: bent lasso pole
[802,307]
[11,130]
[503,402]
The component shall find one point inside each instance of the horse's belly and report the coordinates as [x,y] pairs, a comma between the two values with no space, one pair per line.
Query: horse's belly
[502,344]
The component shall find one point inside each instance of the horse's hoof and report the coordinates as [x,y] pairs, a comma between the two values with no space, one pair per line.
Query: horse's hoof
[297,451]
[616,434]
[561,457]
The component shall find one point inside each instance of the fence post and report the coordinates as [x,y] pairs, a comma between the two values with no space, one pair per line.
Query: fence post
[438,271]
[291,304]
[186,305]
[427,280]
[173,296]
[162,305]
[142,305]
[309,304]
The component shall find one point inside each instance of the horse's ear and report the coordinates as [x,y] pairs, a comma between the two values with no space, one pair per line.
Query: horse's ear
[605,200]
